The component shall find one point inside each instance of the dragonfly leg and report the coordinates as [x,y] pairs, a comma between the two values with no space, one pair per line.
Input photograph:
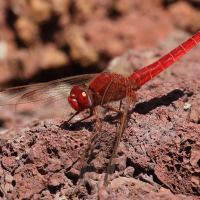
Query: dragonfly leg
[116,110]
[91,114]
[123,122]
[92,136]
[113,109]
[72,117]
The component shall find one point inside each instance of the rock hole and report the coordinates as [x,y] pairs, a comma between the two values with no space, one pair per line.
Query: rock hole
[120,153]
[11,148]
[180,158]
[81,144]
[49,151]
[88,188]
[155,178]
[164,161]
[63,149]
[55,151]
[137,167]
[188,149]
[24,156]
[170,155]
[73,178]
[169,118]
[178,188]
[194,190]
[28,161]
[76,146]
[190,141]
[172,169]
[189,94]
[41,171]
[1,123]
[47,31]
[98,147]
[101,170]
[90,129]
[53,189]
[114,15]
[81,196]
[1,194]
[13,183]
[129,163]
[173,186]
[198,163]
[32,142]
[14,154]
[184,170]
[11,18]
[167,167]
[178,167]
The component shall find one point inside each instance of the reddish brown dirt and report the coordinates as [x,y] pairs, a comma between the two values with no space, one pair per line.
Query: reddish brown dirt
[158,155]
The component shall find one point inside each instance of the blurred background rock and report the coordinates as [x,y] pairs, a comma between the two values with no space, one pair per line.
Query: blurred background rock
[42,40]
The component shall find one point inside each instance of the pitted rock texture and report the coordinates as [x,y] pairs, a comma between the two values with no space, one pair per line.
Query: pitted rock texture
[159,148]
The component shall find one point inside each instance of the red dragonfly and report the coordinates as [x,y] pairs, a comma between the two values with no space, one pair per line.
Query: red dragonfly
[89,91]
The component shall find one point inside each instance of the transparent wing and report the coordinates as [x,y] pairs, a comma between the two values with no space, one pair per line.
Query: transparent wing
[44,100]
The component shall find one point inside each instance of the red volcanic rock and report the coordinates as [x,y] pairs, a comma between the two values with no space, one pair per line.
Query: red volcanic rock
[158,156]
[125,33]
[27,30]
[40,10]
[10,163]
[83,33]
[185,16]
[56,179]
[80,50]
[86,33]
[87,9]
[28,182]
[159,148]
[60,7]
[163,196]
[53,57]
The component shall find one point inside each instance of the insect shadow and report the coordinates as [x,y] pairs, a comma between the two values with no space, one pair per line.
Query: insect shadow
[77,126]
[145,107]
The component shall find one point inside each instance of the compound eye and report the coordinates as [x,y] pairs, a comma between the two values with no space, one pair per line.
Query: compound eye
[83,99]
[79,99]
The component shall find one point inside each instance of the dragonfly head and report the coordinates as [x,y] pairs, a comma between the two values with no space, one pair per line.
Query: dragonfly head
[79,99]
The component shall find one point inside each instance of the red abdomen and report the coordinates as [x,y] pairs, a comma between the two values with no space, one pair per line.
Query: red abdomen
[147,73]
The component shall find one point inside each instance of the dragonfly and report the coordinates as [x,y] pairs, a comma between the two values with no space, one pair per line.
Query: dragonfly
[55,98]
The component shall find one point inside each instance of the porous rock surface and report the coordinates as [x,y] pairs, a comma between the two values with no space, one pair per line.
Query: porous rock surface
[158,157]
